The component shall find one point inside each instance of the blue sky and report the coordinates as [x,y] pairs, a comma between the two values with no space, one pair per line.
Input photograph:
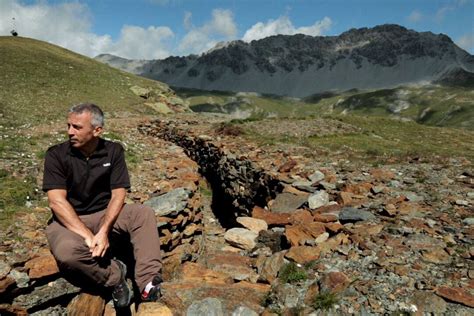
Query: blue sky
[147,29]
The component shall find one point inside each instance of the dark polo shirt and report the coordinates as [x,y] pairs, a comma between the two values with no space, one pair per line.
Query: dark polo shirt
[88,181]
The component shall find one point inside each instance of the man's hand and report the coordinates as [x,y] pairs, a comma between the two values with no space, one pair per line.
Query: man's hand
[99,244]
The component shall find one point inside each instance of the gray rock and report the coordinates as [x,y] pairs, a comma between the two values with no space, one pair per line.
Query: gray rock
[351,215]
[413,197]
[241,237]
[287,202]
[468,221]
[429,303]
[46,293]
[317,176]
[462,202]
[377,189]
[328,186]
[270,268]
[172,202]
[21,278]
[4,269]
[244,311]
[207,307]
[318,199]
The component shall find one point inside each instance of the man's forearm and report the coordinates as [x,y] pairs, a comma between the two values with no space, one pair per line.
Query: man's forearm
[66,214]
[113,210]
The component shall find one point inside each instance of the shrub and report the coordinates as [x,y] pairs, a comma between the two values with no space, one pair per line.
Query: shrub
[291,273]
[325,300]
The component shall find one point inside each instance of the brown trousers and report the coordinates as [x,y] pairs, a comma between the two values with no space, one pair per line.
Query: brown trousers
[137,223]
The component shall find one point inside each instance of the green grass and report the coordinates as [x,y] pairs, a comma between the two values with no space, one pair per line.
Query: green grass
[291,273]
[325,301]
[40,81]
[379,139]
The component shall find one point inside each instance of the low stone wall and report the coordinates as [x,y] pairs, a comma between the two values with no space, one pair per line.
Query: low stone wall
[236,182]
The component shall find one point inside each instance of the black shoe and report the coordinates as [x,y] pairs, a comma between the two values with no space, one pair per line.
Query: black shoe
[155,292]
[122,293]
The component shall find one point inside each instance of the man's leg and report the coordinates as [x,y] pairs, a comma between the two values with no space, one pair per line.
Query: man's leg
[140,223]
[75,261]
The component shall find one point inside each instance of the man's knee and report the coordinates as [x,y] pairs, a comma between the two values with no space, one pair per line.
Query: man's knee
[69,252]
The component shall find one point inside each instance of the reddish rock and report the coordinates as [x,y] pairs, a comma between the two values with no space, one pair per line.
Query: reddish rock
[254,224]
[7,309]
[456,294]
[334,282]
[333,243]
[179,296]
[359,188]
[382,175]
[301,216]
[42,266]
[271,218]
[301,233]
[193,272]
[345,198]
[236,266]
[152,309]
[86,304]
[333,228]
[303,254]
[437,255]
[331,208]
[325,218]
[311,293]
[287,166]
[5,283]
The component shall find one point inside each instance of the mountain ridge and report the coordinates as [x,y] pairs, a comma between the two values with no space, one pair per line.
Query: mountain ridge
[301,65]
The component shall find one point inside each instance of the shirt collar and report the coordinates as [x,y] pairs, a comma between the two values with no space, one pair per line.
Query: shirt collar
[98,152]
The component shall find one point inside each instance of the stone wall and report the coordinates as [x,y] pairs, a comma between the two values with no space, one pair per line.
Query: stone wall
[238,185]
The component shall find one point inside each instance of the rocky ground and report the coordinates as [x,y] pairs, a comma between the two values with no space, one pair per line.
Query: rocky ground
[283,231]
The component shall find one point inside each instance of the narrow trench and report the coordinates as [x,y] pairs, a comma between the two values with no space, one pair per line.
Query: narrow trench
[237,184]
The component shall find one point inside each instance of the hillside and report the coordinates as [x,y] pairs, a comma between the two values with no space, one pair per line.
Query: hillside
[384,56]
[40,81]
[434,105]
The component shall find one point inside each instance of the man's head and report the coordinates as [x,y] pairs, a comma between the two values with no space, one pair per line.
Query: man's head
[84,124]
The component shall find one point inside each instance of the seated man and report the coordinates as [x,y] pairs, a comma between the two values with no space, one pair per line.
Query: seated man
[86,180]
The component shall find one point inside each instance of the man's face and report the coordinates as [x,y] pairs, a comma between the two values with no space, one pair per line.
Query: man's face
[80,130]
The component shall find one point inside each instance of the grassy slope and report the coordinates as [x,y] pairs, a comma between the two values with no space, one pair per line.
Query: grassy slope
[442,106]
[40,81]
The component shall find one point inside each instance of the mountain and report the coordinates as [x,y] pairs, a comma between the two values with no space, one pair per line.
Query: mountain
[300,65]
[40,81]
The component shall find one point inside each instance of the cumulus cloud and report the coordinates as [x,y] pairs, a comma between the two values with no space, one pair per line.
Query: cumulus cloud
[69,25]
[466,42]
[283,25]
[221,27]
[415,17]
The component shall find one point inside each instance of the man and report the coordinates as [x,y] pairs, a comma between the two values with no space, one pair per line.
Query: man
[86,179]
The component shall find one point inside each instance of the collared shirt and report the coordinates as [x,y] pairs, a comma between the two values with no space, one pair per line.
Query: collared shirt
[89,181]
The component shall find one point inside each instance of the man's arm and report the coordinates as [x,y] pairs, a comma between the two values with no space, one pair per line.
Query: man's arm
[100,242]
[66,214]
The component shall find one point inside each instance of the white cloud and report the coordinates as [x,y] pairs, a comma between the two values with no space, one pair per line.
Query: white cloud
[69,25]
[283,25]
[415,17]
[220,28]
[139,43]
[187,20]
[466,42]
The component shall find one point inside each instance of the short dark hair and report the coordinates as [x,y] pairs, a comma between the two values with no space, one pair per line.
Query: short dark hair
[95,111]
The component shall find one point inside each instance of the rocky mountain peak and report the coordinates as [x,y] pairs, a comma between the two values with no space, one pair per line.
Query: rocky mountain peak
[300,65]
